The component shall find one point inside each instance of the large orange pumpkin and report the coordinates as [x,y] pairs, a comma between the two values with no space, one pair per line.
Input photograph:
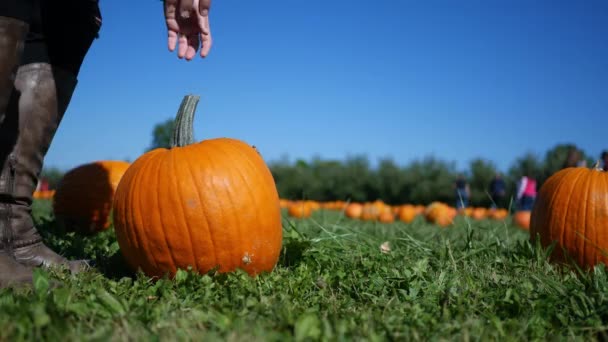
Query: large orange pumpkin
[83,199]
[572,209]
[211,204]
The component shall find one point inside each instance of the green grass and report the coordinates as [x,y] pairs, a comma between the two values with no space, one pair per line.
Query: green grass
[475,281]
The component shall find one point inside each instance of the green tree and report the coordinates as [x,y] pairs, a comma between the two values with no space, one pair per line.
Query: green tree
[428,180]
[482,173]
[162,134]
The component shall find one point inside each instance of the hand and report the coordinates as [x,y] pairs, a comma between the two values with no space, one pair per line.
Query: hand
[188,27]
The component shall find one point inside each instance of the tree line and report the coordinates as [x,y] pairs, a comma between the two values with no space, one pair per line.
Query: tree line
[420,182]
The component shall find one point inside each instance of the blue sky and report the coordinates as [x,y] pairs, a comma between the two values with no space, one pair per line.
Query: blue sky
[385,78]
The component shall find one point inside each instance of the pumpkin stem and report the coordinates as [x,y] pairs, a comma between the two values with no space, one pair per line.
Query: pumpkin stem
[183,133]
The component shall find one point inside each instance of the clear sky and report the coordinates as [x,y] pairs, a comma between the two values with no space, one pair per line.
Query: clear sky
[385,78]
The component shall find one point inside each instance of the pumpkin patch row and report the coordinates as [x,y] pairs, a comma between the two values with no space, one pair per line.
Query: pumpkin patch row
[437,212]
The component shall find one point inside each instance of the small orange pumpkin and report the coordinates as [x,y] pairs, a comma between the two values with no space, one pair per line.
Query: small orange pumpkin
[299,209]
[498,214]
[83,199]
[353,210]
[211,204]
[407,213]
[521,219]
[439,214]
[386,216]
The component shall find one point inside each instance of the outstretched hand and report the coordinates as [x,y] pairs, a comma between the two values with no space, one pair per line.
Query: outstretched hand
[188,27]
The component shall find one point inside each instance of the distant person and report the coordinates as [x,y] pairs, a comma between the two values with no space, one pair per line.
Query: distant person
[526,193]
[574,159]
[463,192]
[498,191]
[605,160]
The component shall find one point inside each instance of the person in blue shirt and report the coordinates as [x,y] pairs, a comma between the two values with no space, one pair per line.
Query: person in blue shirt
[463,192]
[498,191]
[43,44]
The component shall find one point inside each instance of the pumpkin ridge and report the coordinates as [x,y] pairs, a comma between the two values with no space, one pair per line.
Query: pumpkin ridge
[131,236]
[225,193]
[204,208]
[138,240]
[565,215]
[158,167]
[121,216]
[131,216]
[603,252]
[180,197]
[598,252]
[239,225]
[144,238]
[267,193]
[586,189]
[554,184]
[258,219]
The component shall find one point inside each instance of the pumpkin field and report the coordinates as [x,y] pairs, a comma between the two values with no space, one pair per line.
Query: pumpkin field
[337,278]
[217,252]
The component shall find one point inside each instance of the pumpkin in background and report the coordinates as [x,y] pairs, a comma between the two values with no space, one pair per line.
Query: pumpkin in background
[479,213]
[386,216]
[206,205]
[439,214]
[83,198]
[407,213]
[299,209]
[572,209]
[396,209]
[498,214]
[521,219]
[353,210]
[369,212]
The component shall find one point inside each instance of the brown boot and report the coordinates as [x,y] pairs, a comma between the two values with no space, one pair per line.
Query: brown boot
[12,35]
[41,98]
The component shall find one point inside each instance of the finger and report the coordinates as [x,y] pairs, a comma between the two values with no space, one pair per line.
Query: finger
[171,22]
[205,29]
[203,7]
[203,13]
[206,42]
[172,40]
[193,44]
[183,45]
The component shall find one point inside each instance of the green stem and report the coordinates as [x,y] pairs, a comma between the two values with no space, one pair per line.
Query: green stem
[183,133]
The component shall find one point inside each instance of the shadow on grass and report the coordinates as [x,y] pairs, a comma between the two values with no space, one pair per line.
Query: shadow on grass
[100,250]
